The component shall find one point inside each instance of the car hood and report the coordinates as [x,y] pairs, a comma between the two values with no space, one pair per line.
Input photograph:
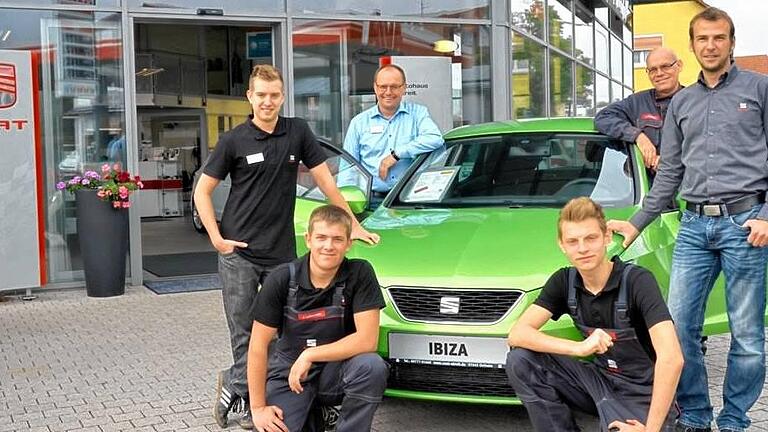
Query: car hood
[468,248]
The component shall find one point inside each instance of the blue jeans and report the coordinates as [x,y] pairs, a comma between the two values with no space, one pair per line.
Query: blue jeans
[705,246]
[241,280]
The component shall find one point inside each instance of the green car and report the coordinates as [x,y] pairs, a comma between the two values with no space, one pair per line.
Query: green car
[468,238]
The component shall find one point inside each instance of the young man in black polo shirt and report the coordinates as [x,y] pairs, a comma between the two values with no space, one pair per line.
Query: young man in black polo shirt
[261,156]
[325,309]
[619,309]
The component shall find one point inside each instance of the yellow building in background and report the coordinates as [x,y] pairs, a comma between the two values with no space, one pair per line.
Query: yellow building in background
[664,23]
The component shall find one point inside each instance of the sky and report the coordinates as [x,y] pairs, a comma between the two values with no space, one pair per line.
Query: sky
[749,19]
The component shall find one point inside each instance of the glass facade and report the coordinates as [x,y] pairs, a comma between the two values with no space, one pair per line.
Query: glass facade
[82,112]
[586,51]
[334,63]
[562,58]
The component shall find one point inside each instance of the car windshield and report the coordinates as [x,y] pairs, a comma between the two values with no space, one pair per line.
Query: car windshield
[521,170]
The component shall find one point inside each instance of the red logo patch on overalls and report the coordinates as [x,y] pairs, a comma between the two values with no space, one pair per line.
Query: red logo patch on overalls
[312,316]
[650,116]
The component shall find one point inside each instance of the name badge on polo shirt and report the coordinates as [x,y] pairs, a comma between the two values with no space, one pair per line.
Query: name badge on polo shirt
[255,158]
[377,129]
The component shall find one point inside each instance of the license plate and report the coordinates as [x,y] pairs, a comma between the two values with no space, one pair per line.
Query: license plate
[467,351]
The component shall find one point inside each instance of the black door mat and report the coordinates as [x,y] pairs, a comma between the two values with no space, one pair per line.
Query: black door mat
[183,264]
[199,283]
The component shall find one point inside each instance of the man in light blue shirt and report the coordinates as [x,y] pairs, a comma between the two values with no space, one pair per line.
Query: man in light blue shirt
[388,136]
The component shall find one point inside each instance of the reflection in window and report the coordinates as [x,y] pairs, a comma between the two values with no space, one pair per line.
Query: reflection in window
[585,91]
[584,36]
[181,6]
[561,24]
[639,57]
[528,87]
[560,86]
[601,48]
[528,16]
[334,63]
[471,9]
[602,92]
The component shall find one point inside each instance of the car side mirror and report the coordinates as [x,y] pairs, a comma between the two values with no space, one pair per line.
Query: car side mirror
[355,198]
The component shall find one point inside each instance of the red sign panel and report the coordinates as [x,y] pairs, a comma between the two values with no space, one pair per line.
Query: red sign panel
[7,85]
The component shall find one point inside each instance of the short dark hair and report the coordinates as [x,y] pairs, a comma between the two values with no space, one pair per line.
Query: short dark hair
[712,14]
[578,210]
[266,73]
[332,215]
[389,66]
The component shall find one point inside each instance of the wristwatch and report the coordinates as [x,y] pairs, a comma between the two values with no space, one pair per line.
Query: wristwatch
[394,155]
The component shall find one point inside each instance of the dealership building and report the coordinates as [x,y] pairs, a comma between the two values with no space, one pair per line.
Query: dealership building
[152,83]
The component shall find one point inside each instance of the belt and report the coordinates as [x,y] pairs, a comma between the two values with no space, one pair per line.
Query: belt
[724,209]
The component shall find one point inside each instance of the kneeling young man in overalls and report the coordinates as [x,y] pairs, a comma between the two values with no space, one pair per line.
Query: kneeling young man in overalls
[325,309]
[630,383]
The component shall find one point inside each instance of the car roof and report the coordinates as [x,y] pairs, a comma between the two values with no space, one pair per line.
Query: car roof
[559,125]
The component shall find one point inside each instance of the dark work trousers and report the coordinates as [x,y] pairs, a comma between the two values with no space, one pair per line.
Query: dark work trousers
[358,383]
[241,280]
[550,386]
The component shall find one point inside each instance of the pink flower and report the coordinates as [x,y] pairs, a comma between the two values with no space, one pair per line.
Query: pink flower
[123,192]
[126,204]
[140,185]
[105,168]
[101,194]
[60,185]
[116,167]
[116,204]
[86,182]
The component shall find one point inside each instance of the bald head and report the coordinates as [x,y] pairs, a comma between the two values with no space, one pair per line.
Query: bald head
[663,69]
[660,54]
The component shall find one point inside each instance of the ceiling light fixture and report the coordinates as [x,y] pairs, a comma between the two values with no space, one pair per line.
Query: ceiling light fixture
[445,46]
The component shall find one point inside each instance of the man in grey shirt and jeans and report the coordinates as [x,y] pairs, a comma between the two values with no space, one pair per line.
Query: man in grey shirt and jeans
[715,150]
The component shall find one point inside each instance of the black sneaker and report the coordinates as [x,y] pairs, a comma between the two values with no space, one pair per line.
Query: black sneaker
[245,420]
[225,400]
[330,417]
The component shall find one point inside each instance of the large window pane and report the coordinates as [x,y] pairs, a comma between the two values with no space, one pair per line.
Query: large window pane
[528,81]
[617,72]
[81,111]
[628,67]
[601,48]
[477,9]
[585,91]
[602,92]
[334,63]
[190,7]
[584,23]
[560,86]
[561,24]
[528,16]
[617,91]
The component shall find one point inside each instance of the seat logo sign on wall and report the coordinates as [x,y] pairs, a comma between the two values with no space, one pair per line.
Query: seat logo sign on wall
[9,96]
[7,85]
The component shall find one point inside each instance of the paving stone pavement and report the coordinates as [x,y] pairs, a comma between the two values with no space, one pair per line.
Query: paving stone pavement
[146,362]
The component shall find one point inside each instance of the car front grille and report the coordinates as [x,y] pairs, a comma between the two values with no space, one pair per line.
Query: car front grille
[466,381]
[474,306]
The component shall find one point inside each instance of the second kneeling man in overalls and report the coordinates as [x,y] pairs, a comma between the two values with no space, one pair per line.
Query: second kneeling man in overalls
[618,308]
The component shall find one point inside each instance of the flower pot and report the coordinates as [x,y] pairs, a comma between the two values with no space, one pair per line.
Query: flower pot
[103,234]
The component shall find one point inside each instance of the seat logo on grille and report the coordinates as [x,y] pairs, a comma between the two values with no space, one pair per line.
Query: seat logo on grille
[449,305]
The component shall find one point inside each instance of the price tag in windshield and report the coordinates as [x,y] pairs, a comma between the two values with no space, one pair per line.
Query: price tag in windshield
[431,184]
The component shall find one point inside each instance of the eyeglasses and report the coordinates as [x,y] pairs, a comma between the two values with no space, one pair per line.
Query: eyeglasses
[661,68]
[393,87]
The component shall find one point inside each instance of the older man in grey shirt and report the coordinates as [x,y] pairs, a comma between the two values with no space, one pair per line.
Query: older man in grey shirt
[715,149]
